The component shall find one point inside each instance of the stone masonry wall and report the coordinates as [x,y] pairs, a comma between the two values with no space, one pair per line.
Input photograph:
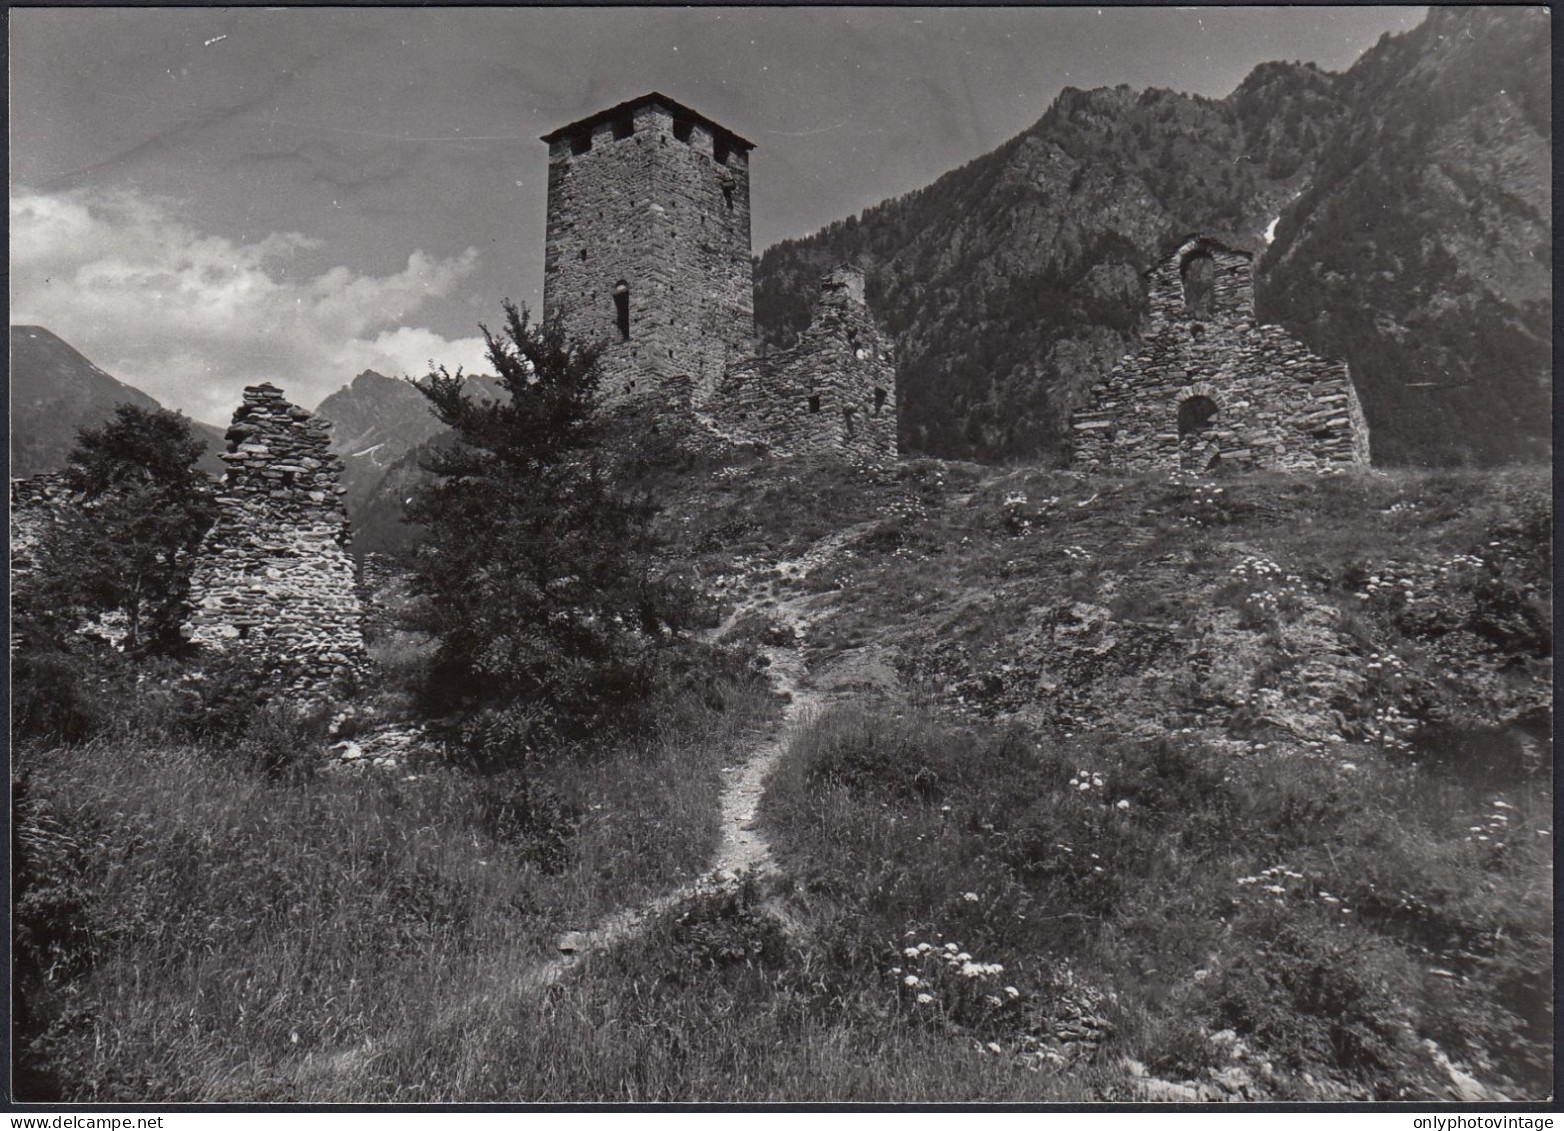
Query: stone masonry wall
[1213,386]
[37,503]
[273,578]
[651,198]
[833,393]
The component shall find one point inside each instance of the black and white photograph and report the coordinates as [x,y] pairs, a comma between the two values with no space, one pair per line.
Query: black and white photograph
[781,556]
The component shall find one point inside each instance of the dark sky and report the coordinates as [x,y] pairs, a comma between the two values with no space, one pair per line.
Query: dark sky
[203,198]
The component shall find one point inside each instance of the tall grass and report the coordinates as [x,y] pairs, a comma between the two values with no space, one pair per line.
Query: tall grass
[1332,919]
[226,924]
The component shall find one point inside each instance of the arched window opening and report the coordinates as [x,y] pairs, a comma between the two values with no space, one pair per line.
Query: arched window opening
[1199,275]
[814,404]
[622,309]
[1195,415]
[879,399]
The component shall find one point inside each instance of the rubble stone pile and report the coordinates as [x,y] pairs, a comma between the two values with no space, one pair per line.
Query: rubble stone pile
[274,579]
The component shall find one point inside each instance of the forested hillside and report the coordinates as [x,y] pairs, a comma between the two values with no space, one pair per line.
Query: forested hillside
[1422,250]
[1012,283]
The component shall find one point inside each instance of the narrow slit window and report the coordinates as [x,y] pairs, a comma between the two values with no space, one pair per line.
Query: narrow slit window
[727,195]
[879,399]
[622,309]
[814,404]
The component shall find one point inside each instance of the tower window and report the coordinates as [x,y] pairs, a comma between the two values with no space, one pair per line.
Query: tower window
[1199,275]
[727,194]
[622,309]
[583,255]
[814,404]
[682,129]
[847,419]
[719,151]
[623,127]
[581,143]
[879,399]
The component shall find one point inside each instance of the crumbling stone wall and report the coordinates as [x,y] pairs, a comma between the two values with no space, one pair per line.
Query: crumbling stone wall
[1212,386]
[648,248]
[37,503]
[273,579]
[832,393]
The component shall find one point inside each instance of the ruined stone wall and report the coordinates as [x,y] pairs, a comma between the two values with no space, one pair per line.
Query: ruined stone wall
[652,199]
[273,579]
[833,393]
[1211,386]
[37,503]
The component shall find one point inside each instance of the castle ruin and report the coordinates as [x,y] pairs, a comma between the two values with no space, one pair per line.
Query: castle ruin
[1212,387]
[648,257]
[273,579]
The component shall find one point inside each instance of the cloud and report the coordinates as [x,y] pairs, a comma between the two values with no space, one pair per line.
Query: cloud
[191,318]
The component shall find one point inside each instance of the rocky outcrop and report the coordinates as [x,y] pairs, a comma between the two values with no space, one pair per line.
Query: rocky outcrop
[273,580]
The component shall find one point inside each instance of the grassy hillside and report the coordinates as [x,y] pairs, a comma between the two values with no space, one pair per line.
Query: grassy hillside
[1126,788]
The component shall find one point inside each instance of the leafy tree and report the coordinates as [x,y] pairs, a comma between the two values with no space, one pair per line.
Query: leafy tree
[536,564]
[126,547]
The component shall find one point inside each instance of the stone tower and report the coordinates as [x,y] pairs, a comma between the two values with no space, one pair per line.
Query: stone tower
[648,251]
[273,578]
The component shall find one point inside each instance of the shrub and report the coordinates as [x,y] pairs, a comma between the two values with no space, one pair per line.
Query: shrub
[1315,991]
[57,695]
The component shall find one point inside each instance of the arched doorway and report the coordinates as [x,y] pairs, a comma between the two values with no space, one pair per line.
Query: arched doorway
[1197,444]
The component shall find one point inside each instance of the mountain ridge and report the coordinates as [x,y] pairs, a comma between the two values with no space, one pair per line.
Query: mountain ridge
[55,391]
[1012,283]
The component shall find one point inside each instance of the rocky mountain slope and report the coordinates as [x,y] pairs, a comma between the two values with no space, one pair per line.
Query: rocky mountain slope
[375,421]
[382,428]
[55,392]
[1422,249]
[1012,283]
